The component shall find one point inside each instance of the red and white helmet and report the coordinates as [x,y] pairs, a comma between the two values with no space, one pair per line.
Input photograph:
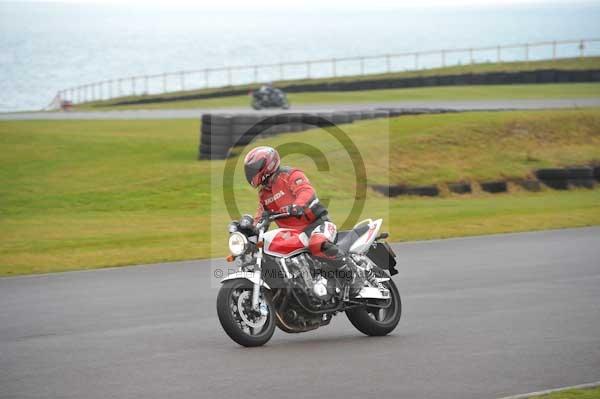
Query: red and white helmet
[260,163]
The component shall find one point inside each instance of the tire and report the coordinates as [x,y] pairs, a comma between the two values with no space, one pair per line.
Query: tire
[215,140]
[366,324]
[230,323]
[340,118]
[246,119]
[214,151]
[216,120]
[581,177]
[367,115]
[597,173]
[552,174]
[216,130]
[494,187]
[426,191]
[379,114]
[242,139]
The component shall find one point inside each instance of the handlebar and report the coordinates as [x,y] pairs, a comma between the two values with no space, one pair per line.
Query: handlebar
[269,217]
[273,216]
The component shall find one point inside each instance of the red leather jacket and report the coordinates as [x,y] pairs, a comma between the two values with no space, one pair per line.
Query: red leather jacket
[290,186]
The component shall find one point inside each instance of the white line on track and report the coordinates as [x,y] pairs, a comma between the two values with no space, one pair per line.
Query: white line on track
[548,391]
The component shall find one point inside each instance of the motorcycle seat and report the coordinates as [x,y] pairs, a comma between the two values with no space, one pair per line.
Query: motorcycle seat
[346,238]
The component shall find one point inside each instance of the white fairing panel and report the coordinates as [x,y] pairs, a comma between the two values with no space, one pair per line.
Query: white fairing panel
[364,242]
[329,230]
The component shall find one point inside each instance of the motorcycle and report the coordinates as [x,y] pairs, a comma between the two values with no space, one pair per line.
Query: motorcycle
[278,283]
[269,98]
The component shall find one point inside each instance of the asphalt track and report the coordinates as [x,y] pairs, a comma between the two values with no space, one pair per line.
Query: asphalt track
[196,113]
[483,317]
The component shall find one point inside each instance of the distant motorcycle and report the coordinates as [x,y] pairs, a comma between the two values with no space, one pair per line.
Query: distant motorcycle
[268,97]
[278,282]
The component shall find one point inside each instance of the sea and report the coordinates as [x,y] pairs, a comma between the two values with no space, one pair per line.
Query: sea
[47,47]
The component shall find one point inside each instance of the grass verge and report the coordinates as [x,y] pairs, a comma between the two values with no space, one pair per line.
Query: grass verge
[588,393]
[87,194]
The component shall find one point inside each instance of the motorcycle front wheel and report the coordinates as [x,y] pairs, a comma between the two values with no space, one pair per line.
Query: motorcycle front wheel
[243,324]
[256,105]
[376,321]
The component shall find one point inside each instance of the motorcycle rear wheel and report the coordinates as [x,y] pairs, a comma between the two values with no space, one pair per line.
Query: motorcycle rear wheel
[239,321]
[376,321]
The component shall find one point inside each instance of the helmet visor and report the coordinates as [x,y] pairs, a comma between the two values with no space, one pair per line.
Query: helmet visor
[252,170]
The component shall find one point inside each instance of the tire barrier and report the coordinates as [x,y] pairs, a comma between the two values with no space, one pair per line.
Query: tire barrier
[489,78]
[427,191]
[554,178]
[219,133]
[565,178]
[494,187]
[215,137]
[597,173]
[396,190]
[581,177]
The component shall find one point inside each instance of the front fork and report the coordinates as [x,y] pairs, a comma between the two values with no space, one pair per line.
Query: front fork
[256,288]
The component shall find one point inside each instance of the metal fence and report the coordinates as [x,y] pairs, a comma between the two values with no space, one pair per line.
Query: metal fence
[324,68]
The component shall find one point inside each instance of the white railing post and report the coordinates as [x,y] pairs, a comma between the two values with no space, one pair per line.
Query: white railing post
[416,61]
[119,87]
[471,56]
[308,69]
[182,80]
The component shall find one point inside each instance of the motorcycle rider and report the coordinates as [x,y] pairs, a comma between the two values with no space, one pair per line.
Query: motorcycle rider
[267,91]
[286,189]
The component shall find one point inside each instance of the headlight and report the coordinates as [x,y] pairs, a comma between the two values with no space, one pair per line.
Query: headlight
[237,243]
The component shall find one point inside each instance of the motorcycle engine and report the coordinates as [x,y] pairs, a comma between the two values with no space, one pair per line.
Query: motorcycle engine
[306,274]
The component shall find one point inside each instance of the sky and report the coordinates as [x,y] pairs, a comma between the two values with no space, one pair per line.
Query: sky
[319,4]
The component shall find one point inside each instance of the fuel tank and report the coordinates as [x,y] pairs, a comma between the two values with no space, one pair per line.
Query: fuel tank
[285,242]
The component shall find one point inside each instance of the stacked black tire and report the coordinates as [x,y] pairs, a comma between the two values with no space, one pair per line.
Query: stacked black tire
[215,136]
[563,179]
[219,133]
